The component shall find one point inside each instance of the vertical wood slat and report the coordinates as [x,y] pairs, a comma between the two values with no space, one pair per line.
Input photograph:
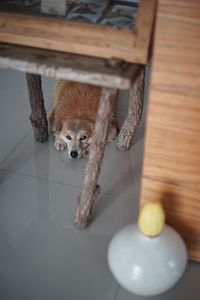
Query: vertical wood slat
[144,25]
[171,169]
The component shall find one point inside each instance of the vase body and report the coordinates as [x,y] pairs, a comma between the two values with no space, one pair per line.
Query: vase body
[147,266]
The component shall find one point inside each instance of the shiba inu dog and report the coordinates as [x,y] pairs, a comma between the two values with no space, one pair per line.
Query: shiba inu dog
[72,117]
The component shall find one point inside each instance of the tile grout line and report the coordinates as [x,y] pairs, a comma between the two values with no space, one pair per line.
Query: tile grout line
[15,147]
[36,177]
[116,293]
[57,182]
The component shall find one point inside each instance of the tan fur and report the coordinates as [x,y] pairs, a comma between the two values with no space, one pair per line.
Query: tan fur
[74,113]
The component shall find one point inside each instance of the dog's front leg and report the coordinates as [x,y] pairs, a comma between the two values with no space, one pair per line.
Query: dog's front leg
[90,187]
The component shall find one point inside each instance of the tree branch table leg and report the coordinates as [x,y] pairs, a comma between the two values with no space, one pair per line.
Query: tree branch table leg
[38,114]
[134,113]
[91,189]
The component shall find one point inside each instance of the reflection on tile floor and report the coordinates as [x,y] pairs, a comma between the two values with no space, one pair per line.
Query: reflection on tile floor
[42,255]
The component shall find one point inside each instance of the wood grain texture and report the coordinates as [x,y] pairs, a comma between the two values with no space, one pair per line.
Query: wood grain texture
[102,72]
[135,108]
[38,113]
[78,38]
[171,169]
[144,25]
[91,189]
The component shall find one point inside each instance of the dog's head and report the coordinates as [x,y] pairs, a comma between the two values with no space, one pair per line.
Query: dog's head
[77,134]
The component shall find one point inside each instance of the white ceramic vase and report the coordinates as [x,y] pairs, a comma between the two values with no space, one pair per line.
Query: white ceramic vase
[144,265]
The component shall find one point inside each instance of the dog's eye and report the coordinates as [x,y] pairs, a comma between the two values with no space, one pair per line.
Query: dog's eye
[83,137]
[68,137]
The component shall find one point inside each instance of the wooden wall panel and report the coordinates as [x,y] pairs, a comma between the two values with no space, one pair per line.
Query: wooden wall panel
[171,168]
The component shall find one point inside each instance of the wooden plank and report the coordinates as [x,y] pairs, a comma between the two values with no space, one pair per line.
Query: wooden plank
[73,37]
[144,25]
[114,74]
[171,169]
[59,35]
[61,31]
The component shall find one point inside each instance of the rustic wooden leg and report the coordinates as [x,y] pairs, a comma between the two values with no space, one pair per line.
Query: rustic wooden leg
[134,113]
[38,113]
[90,189]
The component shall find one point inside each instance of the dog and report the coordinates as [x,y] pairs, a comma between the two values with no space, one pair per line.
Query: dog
[73,115]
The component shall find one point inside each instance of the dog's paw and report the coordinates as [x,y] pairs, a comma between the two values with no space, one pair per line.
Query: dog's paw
[60,145]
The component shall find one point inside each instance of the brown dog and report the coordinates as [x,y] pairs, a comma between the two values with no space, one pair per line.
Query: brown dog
[73,115]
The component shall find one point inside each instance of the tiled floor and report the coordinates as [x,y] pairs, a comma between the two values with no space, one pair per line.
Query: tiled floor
[42,255]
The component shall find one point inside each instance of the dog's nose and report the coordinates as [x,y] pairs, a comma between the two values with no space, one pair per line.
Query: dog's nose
[74,154]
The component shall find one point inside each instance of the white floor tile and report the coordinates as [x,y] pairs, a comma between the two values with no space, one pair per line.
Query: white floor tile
[12,81]
[14,120]
[120,174]
[15,108]
[15,81]
[42,256]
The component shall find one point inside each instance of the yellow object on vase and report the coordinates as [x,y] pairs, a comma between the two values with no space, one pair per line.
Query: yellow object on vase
[151,219]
